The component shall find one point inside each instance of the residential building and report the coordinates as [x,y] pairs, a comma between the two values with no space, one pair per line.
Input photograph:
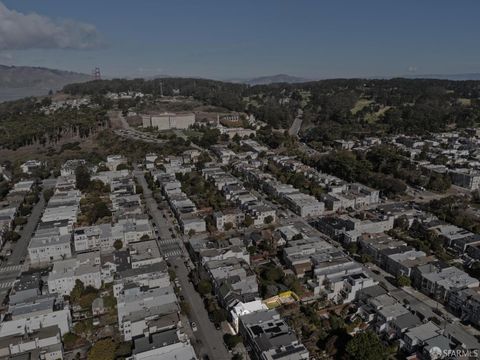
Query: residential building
[44,343]
[466,178]
[114,160]
[84,267]
[139,308]
[439,281]
[165,345]
[29,166]
[46,248]
[269,337]
[232,218]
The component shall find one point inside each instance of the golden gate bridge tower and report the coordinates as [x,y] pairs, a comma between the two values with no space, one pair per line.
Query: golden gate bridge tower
[96,74]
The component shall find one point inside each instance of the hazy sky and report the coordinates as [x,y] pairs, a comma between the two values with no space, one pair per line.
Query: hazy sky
[229,39]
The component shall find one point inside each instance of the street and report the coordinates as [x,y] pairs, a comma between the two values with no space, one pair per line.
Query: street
[211,340]
[168,245]
[10,270]
[19,250]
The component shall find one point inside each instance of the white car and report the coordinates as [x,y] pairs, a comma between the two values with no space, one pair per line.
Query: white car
[194,326]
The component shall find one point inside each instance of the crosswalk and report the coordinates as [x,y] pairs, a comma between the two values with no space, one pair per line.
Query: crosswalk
[169,247]
[6,284]
[173,253]
[168,241]
[10,268]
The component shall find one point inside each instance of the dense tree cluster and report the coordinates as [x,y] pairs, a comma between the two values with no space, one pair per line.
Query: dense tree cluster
[383,167]
[455,210]
[203,193]
[352,168]
[23,122]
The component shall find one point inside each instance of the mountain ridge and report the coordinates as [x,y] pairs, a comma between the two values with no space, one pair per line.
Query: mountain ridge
[22,81]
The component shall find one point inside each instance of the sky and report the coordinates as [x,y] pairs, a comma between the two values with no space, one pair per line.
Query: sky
[243,39]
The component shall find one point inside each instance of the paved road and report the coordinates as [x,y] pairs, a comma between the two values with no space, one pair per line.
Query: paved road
[211,340]
[12,268]
[20,248]
[168,245]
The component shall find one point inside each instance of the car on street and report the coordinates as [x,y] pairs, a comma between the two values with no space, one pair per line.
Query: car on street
[194,326]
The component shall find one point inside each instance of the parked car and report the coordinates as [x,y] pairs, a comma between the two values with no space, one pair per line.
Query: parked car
[194,326]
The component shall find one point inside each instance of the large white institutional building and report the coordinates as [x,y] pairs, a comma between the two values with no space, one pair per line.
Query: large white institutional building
[166,121]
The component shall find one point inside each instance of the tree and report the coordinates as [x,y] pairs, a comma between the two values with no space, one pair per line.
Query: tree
[101,210]
[4,188]
[82,177]
[403,281]
[401,223]
[219,315]
[268,219]
[124,350]
[48,193]
[439,182]
[86,300]
[185,307]
[352,248]
[232,340]
[123,167]
[292,282]
[204,287]
[84,328]
[77,291]
[364,258]
[70,339]
[273,273]
[191,232]
[110,301]
[366,346]
[118,244]
[228,226]
[11,236]
[248,221]
[102,350]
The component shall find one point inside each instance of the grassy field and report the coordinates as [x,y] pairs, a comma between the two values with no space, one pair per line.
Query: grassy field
[361,103]
[371,118]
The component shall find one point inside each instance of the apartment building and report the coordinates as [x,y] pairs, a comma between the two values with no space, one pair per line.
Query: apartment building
[85,267]
[138,308]
[269,337]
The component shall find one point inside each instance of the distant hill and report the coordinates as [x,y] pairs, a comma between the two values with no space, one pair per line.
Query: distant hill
[458,77]
[21,81]
[453,77]
[265,80]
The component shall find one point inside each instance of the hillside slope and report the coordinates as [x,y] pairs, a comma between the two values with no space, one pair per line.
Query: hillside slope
[20,81]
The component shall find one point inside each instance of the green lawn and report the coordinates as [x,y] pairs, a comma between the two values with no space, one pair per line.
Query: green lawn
[360,104]
[371,118]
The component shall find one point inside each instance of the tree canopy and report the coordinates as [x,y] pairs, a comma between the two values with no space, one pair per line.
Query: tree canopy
[366,346]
